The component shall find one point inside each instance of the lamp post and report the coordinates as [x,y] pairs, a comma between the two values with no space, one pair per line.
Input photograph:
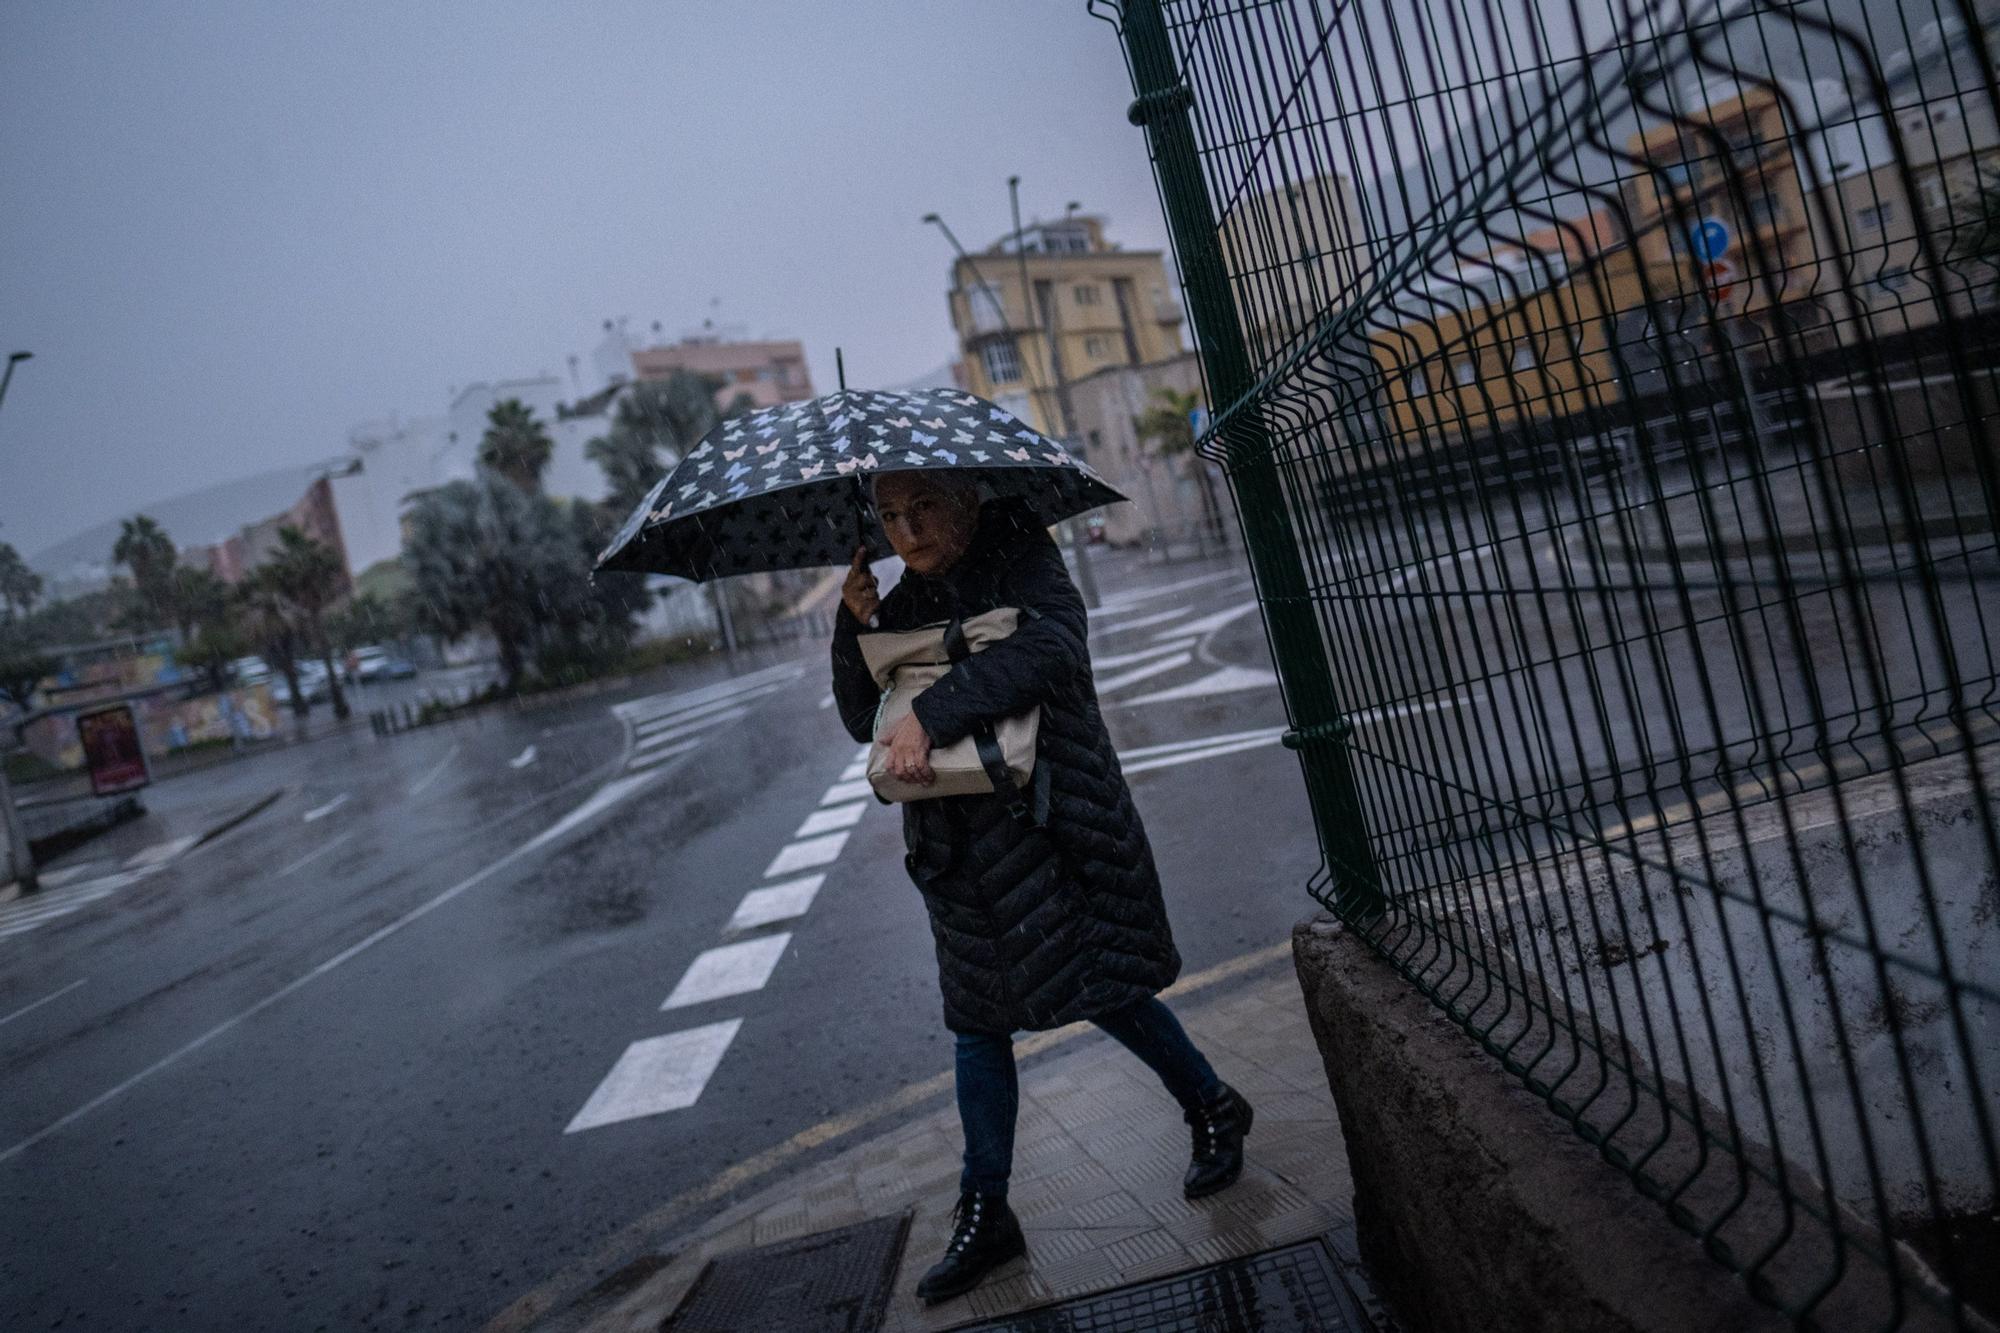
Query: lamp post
[20,861]
[1086,575]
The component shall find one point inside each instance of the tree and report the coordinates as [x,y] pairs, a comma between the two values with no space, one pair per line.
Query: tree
[311,578]
[145,549]
[268,621]
[1169,424]
[196,598]
[515,446]
[22,666]
[20,586]
[483,554]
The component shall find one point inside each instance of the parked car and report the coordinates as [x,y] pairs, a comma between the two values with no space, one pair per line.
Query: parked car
[250,670]
[376,663]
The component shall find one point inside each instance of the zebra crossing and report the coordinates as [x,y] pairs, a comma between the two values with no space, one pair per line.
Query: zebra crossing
[661,726]
[75,888]
[1135,640]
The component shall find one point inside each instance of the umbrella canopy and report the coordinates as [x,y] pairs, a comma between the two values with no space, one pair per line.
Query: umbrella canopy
[784,488]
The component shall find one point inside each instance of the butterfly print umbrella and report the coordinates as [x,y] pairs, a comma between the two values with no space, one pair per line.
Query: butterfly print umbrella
[784,488]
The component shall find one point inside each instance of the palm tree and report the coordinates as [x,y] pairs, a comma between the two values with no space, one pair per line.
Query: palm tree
[516,446]
[145,548]
[655,417]
[269,622]
[310,576]
[1169,424]
[20,586]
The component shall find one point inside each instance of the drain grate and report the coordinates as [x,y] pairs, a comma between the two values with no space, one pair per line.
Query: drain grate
[1296,1289]
[830,1282]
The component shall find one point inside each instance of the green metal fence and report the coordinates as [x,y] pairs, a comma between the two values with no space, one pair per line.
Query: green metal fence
[1607,393]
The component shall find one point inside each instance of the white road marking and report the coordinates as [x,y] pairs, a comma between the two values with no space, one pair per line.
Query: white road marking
[826,701]
[41,916]
[839,816]
[1126,659]
[1125,600]
[848,789]
[437,772]
[653,758]
[523,759]
[780,902]
[854,771]
[327,809]
[1143,622]
[314,855]
[159,853]
[57,878]
[734,704]
[1210,624]
[1226,681]
[56,995]
[806,855]
[657,1074]
[1137,674]
[729,969]
[606,796]
[1190,756]
[680,728]
[1173,747]
[658,705]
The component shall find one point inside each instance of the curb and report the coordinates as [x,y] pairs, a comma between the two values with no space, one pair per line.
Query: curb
[248,812]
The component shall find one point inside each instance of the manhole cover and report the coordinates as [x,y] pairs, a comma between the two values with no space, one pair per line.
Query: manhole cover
[829,1282]
[1296,1289]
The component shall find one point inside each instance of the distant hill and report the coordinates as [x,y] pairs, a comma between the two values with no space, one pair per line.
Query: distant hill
[194,519]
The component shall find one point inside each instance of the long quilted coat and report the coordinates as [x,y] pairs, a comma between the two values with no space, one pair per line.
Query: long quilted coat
[1035,927]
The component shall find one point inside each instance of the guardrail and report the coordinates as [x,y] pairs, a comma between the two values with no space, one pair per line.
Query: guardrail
[1608,398]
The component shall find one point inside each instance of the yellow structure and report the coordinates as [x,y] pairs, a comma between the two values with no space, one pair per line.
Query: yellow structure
[1086,302]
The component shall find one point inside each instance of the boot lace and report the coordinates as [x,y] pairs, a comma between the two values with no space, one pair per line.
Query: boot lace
[968,1217]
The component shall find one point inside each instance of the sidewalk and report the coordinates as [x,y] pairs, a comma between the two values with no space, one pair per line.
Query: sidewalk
[1098,1161]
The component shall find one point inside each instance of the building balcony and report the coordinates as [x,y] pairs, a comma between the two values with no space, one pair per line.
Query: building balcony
[1166,310]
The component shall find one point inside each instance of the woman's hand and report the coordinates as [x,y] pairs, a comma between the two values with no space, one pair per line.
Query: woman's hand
[909,747]
[861,595]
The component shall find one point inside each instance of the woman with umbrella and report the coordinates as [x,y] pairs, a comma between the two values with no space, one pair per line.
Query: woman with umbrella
[1044,905]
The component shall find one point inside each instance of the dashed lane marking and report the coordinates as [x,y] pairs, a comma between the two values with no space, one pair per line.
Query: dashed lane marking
[839,816]
[658,1074]
[807,854]
[316,853]
[523,759]
[848,789]
[729,969]
[437,772]
[779,902]
[323,811]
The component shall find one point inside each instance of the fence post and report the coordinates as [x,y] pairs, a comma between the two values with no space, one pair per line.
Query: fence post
[1319,728]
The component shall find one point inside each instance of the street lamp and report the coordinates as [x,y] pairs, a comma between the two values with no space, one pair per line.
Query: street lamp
[19,860]
[13,359]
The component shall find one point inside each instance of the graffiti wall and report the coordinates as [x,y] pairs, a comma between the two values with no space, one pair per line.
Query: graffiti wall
[166,723]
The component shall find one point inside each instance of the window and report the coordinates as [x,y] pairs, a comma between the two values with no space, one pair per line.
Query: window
[1875,216]
[1420,383]
[1003,363]
[1765,211]
[987,312]
[1524,355]
[1893,279]
[1086,294]
[1468,370]
[1094,346]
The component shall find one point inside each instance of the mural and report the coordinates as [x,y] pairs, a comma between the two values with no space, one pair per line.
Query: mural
[165,723]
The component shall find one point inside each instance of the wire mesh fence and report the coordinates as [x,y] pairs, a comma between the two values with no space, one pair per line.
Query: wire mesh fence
[1608,394]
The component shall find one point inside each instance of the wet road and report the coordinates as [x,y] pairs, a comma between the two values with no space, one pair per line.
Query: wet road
[394,1052]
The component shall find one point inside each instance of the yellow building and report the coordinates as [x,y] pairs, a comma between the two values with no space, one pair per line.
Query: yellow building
[1294,254]
[1087,303]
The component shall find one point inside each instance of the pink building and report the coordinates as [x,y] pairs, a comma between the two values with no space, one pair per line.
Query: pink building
[769,372]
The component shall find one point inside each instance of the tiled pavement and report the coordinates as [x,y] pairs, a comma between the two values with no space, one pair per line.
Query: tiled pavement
[1098,1159]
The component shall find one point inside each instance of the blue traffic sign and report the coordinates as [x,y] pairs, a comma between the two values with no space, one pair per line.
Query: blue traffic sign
[1709,239]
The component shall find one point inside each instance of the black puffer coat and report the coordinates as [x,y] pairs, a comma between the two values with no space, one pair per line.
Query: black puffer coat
[1035,927]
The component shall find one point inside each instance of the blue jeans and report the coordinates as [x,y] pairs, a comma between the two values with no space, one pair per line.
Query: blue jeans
[989,1093]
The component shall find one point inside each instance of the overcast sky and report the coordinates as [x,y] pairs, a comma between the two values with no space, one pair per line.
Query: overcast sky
[233,230]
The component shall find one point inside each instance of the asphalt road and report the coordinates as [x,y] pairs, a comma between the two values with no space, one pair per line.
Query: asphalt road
[392,1053]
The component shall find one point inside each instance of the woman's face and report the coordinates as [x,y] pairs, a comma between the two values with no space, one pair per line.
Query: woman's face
[929,525]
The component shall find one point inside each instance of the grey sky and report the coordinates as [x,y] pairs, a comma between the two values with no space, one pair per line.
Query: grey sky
[232,230]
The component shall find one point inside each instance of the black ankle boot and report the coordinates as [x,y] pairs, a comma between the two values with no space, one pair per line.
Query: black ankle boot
[1219,1128]
[984,1234]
